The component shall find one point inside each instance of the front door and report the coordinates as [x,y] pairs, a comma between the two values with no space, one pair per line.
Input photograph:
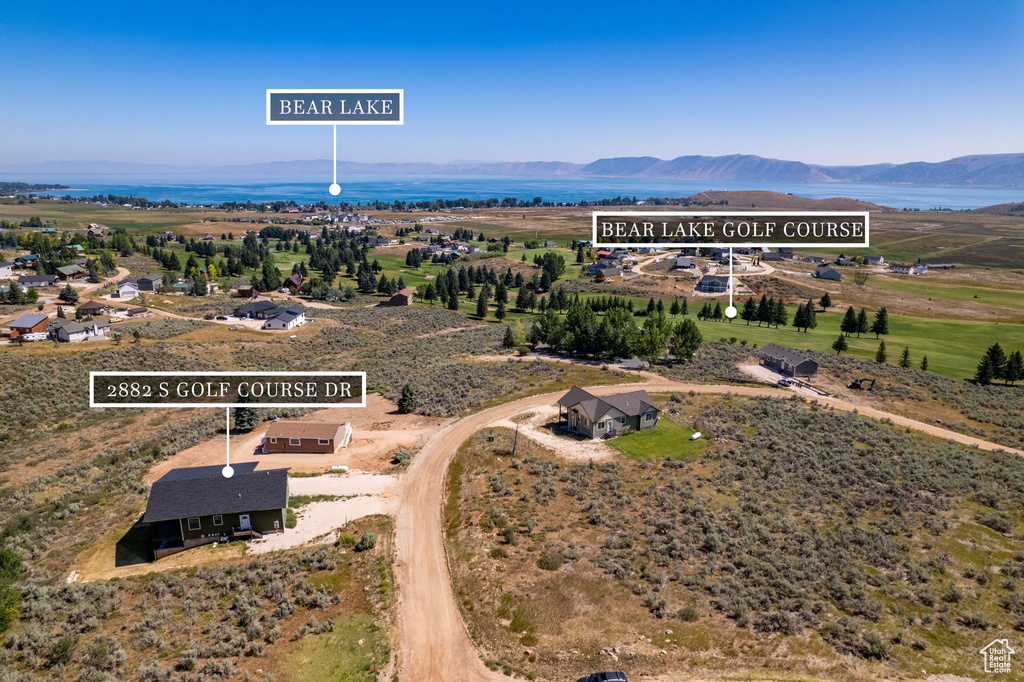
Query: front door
[243,522]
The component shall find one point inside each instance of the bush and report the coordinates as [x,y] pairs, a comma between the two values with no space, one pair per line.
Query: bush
[367,541]
[551,561]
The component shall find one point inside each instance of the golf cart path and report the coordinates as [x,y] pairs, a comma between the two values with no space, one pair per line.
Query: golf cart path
[435,644]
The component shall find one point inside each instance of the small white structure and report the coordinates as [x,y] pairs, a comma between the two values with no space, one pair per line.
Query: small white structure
[289,319]
[127,289]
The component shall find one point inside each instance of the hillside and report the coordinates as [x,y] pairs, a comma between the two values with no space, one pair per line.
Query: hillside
[979,170]
[732,168]
[780,201]
[1001,209]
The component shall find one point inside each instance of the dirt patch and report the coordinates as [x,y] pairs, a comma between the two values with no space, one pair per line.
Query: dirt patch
[541,426]
[318,522]
[377,431]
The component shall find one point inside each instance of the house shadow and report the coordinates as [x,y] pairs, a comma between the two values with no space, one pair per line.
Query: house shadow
[135,546]
[557,428]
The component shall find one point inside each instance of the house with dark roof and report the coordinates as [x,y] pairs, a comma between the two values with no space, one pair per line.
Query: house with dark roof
[606,417]
[788,361]
[257,310]
[198,505]
[37,281]
[90,308]
[828,272]
[293,281]
[151,282]
[874,260]
[305,437]
[714,284]
[683,262]
[772,256]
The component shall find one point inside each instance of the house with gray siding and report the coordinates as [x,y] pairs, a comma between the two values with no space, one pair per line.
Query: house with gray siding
[606,417]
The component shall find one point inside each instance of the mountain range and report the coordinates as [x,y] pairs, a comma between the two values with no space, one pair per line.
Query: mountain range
[980,170]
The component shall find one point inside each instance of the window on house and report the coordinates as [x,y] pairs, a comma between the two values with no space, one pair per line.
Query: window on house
[273,440]
[294,441]
[649,417]
[323,441]
[622,420]
[194,524]
[600,425]
[218,520]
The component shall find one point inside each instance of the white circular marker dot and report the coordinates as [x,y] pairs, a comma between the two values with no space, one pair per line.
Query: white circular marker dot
[334,189]
[228,471]
[730,312]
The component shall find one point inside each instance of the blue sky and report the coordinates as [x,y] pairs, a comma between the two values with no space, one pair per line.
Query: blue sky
[821,82]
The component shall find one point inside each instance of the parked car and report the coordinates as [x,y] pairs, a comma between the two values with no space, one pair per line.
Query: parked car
[611,676]
[784,382]
[222,317]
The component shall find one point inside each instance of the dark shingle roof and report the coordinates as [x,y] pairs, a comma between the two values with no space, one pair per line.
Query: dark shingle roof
[203,491]
[778,352]
[631,404]
[256,306]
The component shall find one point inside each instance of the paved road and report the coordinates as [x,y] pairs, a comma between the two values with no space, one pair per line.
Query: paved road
[435,644]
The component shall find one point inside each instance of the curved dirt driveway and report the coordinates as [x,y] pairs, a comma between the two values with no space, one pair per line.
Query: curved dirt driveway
[435,644]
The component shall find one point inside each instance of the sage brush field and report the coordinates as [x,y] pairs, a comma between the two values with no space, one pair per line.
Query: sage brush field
[798,520]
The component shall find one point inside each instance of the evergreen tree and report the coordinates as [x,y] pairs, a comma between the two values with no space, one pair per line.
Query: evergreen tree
[924,363]
[849,324]
[407,403]
[749,311]
[246,418]
[840,344]
[579,253]
[481,304]
[500,311]
[800,317]
[881,323]
[780,316]
[717,313]
[985,373]
[685,307]
[905,358]
[60,312]
[811,318]
[68,295]
[826,302]
[862,322]
[880,354]
[764,310]
[997,359]
[650,306]
[675,308]
[1014,371]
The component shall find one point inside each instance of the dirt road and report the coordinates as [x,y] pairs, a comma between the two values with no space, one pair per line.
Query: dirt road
[434,641]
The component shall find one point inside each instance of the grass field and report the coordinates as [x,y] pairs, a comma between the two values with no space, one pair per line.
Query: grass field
[1009,298]
[953,347]
[668,439]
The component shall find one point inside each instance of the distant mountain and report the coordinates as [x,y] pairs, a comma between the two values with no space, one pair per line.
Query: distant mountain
[732,168]
[983,170]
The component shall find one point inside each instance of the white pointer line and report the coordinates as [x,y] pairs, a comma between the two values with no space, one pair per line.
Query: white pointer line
[335,154]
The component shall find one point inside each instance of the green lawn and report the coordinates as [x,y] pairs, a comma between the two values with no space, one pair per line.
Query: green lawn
[667,439]
[337,655]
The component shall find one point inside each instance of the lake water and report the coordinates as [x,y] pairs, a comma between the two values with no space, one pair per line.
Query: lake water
[368,188]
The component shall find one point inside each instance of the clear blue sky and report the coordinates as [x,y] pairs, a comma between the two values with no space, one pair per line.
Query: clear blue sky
[821,82]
